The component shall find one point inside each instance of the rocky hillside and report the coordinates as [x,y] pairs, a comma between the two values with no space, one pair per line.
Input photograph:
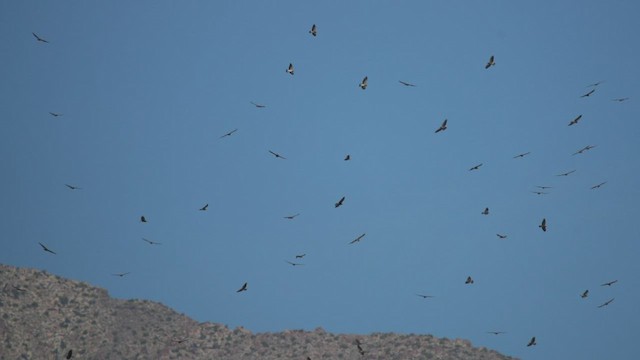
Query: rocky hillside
[43,316]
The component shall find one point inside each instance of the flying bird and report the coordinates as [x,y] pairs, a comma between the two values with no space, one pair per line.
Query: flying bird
[575,121]
[442,127]
[476,167]
[290,69]
[544,187]
[291,217]
[595,84]
[314,30]
[364,83]
[540,192]
[46,248]
[469,280]
[143,219]
[606,303]
[243,288]
[598,186]
[357,239]
[496,332]
[69,354]
[229,133]
[54,114]
[532,341]
[204,208]
[293,264]
[277,155]
[300,256]
[588,147]
[585,294]
[485,211]
[589,93]
[360,350]
[121,274]
[425,296]
[150,242]
[620,99]
[72,187]
[39,38]
[502,236]
[339,203]
[522,155]
[347,158]
[567,173]
[609,283]
[260,106]
[490,63]
[543,225]
[406,83]
[18,288]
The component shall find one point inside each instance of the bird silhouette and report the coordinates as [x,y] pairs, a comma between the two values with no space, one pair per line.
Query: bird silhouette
[485,211]
[243,288]
[300,256]
[598,186]
[469,280]
[121,274]
[522,155]
[406,83]
[543,225]
[54,114]
[490,63]
[143,219]
[360,350]
[502,236]
[357,239]
[340,202]
[39,38]
[277,155]
[585,294]
[229,133]
[595,84]
[544,187]
[293,264]
[586,148]
[620,99]
[260,106]
[496,332]
[73,187]
[476,167]
[609,283]
[540,192]
[567,173]
[69,354]
[314,30]
[204,208]
[442,127]
[291,217]
[425,296]
[589,93]
[606,303]
[575,121]
[46,248]
[290,69]
[150,242]
[532,341]
[347,158]
[364,83]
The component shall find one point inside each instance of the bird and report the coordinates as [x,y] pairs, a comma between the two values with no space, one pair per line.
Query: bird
[543,225]
[469,280]
[143,219]
[46,249]
[595,84]
[567,173]
[544,187]
[260,106]
[496,332]
[485,211]
[69,354]
[314,30]
[589,93]
[364,83]
[243,288]
[532,341]
[620,99]
[606,303]
[339,203]
[293,264]
[598,186]
[476,167]
[54,114]
[121,274]
[425,296]
[39,38]
[290,69]
[347,158]
[150,242]
[490,63]
[585,294]
[204,208]
[406,83]
[442,127]
[357,239]
[540,192]
[360,350]
[300,256]
[609,283]
[277,155]
[229,133]
[522,155]
[291,217]
[502,236]
[17,288]
[588,147]
[575,121]
[72,187]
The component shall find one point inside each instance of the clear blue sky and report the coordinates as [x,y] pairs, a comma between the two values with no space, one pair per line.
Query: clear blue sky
[147,88]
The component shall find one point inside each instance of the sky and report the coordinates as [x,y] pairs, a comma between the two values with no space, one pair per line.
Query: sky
[147,89]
